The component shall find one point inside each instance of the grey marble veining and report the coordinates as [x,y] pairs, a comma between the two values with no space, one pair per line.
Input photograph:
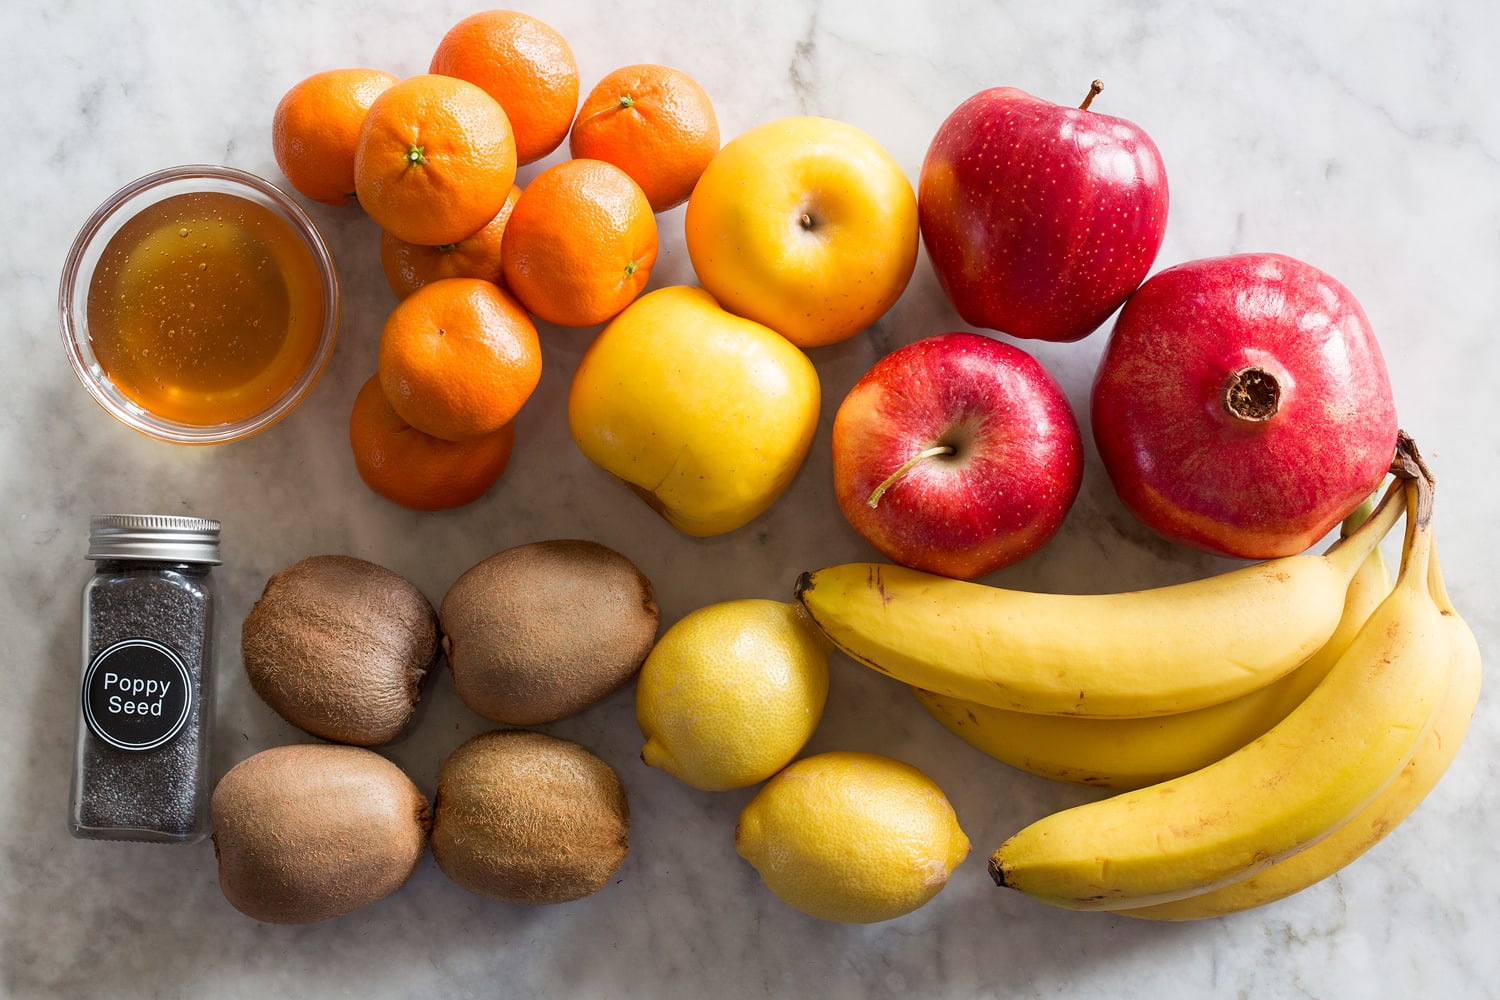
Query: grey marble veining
[1359,137]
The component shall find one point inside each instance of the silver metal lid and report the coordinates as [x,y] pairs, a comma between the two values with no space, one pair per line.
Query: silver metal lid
[158,537]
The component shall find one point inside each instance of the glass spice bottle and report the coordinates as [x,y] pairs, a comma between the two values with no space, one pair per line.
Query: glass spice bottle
[141,764]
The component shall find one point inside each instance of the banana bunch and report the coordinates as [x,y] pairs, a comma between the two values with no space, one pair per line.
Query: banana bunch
[1133,753]
[1271,723]
[1319,860]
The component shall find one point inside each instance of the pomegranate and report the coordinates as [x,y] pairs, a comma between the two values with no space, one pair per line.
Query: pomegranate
[1242,405]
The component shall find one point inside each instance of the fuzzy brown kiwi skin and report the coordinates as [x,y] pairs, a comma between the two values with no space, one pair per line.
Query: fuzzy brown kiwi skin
[309,832]
[523,817]
[341,648]
[542,631]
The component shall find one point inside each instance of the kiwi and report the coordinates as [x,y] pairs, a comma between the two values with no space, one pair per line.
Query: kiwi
[340,648]
[307,832]
[524,817]
[542,631]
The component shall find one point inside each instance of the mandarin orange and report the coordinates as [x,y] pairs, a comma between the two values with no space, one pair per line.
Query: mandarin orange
[653,122]
[316,126]
[417,470]
[580,244]
[523,63]
[458,358]
[435,160]
[409,266]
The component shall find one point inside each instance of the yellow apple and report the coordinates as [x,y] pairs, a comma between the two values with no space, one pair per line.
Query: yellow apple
[806,225]
[706,415]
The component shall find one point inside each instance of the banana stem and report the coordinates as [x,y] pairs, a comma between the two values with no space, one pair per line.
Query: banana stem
[1352,549]
[1409,463]
[1359,516]
[1436,585]
[1408,468]
[1416,548]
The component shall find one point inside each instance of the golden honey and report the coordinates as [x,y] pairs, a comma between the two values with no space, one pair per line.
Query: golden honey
[205,308]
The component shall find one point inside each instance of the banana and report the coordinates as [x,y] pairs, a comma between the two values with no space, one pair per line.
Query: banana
[1145,653]
[1315,863]
[1309,775]
[1133,753]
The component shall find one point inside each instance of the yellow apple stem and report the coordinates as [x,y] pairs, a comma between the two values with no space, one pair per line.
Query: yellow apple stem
[1095,89]
[906,466]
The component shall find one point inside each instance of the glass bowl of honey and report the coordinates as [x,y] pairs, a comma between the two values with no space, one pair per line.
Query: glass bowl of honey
[199,304]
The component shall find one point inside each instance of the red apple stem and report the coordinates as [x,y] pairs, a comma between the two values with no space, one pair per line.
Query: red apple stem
[907,466]
[1095,89]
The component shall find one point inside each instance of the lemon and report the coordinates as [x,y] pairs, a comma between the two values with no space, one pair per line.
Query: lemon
[731,693]
[852,837]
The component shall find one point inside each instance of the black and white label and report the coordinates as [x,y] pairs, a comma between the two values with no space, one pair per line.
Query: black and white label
[137,695]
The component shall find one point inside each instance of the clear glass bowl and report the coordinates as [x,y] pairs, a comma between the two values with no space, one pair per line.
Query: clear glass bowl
[88,248]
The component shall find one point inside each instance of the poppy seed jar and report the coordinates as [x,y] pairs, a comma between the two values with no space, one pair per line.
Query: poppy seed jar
[141,764]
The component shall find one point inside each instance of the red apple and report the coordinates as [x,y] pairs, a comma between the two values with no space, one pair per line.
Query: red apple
[1242,405]
[957,454]
[1040,219]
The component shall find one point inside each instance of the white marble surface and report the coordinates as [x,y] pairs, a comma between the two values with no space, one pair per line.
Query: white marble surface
[1359,136]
